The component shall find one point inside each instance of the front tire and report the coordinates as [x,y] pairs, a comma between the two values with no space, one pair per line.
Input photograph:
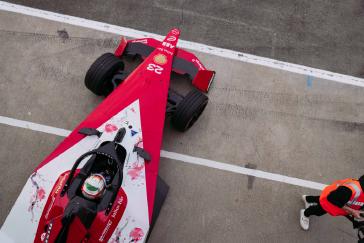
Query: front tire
[99,76]
[189,110]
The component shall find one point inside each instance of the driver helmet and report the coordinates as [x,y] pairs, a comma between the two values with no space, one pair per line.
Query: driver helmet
[94,187]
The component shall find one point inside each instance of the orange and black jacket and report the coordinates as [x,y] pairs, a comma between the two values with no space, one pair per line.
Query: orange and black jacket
[347,192]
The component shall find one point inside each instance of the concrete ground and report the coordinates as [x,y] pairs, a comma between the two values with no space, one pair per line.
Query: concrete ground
[257,116]
[317,33]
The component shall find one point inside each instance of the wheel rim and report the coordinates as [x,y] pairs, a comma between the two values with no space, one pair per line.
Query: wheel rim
[108,86]
[196,115]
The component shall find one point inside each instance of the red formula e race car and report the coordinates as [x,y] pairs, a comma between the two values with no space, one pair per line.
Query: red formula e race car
[101,183]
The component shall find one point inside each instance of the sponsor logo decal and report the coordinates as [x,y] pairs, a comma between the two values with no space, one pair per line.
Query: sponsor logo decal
[144,41]
[114,213]
[60,184]
[106,229]
[199,64]
[45,236]
[42,236]
[167,44]
[50,207]
[133,133]
[165,50]
[116,210]
[171,38]
[58,188]
[155,68]
[160,59]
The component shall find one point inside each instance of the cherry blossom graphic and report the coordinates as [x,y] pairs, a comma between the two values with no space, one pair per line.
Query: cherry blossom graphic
[136,235]
[135,171]
[110,128]
[122,118]
[41,194]
[38,194]
[139,142]
[118,234]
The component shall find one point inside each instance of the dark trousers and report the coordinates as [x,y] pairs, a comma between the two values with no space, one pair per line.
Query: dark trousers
[316,209]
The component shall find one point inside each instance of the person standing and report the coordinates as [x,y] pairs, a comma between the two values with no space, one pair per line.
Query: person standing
[341,198]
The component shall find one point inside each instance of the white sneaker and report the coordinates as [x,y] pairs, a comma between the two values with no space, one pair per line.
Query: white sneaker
[304,221]
[307,204]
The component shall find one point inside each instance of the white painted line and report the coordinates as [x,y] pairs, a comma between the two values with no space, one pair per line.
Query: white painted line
[180,157]
[34,126]
[242,170]
[230,54]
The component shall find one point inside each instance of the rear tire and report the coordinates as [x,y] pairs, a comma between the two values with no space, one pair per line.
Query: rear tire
[99,75]
[189,110]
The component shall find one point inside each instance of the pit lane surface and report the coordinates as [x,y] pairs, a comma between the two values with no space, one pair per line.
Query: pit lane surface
[257,117]
[316,33]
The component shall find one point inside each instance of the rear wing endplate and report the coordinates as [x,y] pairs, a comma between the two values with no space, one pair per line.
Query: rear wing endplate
[184,62]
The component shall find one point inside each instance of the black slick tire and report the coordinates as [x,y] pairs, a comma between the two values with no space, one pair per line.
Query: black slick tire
[99,75]
[189,110]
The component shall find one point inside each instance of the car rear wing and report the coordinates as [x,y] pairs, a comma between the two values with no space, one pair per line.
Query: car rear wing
[184,62]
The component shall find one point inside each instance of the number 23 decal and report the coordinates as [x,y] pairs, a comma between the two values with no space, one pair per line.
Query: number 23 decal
[153,67]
